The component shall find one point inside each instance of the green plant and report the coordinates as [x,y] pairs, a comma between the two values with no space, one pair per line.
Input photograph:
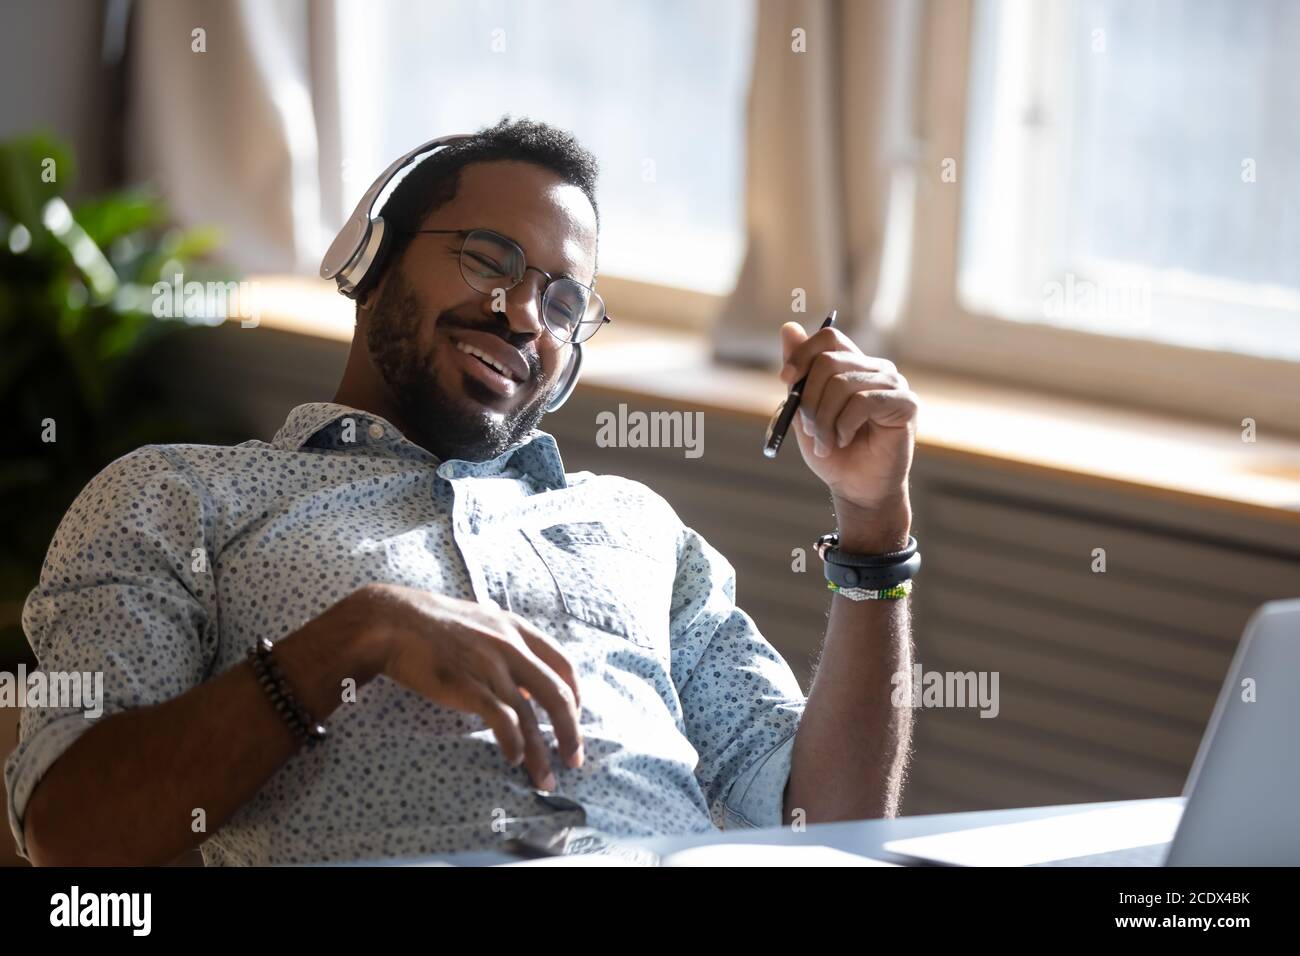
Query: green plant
[77,333]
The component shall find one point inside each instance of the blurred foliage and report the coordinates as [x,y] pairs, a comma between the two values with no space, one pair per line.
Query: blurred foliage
[77,335]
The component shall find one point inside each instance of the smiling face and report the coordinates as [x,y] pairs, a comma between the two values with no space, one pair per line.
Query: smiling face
[458,376]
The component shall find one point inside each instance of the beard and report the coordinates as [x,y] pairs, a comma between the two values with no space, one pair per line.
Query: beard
[450,426]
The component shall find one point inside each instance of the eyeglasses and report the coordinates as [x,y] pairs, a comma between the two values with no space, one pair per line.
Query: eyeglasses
[489,261]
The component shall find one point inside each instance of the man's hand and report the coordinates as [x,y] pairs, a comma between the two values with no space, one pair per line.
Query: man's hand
[856,429]
[482,660]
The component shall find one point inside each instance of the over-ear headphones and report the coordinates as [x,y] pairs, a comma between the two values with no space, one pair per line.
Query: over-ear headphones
[355,259]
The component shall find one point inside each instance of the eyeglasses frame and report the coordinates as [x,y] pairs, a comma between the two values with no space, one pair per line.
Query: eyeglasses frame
[541,296]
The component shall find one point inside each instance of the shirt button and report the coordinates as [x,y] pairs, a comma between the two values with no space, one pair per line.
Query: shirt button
[376,431]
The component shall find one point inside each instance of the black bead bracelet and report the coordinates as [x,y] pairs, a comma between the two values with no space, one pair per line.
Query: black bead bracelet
[268,673]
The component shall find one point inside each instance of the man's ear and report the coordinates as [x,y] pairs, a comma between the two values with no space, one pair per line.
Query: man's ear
[370,298]
[367,301]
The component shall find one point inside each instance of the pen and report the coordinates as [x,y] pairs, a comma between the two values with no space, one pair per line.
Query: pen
[784,414]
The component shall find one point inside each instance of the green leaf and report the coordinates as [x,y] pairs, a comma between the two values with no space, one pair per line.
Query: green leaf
[197,242]
[120,214]
[24,167]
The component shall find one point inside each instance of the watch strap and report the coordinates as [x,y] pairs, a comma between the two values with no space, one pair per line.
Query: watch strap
[872,578]
[828,549]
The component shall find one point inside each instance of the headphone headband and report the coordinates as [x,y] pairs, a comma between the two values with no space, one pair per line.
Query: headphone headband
[344,262]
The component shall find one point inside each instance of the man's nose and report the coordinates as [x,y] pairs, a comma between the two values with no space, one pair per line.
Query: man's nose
[522,306]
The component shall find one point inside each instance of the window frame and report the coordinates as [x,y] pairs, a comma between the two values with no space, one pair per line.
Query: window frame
[937,330]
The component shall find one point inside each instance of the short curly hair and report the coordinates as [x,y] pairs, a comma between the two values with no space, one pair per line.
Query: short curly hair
[435,180]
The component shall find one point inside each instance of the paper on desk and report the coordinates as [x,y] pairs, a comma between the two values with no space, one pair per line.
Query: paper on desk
[724,854]
[576,859]
[767,854]
[1063,837]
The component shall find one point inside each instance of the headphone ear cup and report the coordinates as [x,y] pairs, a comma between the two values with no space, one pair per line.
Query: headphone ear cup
[381,240]
[568,383]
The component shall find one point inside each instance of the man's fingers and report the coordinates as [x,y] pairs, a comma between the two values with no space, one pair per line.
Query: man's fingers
[824,369]
[545,648]
[503,720]
[792,334]
[536,754]
[840,389]
[555,696]
[799,361]
[885,407]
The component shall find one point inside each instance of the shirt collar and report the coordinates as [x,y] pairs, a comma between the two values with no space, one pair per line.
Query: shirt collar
[327,425]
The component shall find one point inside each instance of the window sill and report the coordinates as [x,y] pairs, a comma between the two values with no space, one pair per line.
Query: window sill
[1189,461]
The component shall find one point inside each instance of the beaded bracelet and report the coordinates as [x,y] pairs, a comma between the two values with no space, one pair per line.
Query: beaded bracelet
[272,679]
[863,594]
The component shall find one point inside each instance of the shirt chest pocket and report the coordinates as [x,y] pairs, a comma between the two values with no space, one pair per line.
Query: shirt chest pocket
[605,578]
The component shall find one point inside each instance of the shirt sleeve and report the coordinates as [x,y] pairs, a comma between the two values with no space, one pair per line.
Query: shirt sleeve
[125,592]
[741,703]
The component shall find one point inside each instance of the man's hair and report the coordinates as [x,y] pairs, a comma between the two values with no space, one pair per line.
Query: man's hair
[435,180]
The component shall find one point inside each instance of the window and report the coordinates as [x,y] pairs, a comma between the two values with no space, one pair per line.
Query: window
[1106,203]
[1131,170]
[655,89]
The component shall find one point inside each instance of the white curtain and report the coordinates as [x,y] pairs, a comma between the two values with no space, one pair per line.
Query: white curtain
[235,124]
[830,173]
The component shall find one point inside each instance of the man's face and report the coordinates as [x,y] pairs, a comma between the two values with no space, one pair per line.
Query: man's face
[425,316]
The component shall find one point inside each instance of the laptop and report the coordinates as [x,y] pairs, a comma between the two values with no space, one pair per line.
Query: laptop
[1241,803]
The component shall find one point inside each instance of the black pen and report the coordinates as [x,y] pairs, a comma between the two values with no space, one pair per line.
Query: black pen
[784,414]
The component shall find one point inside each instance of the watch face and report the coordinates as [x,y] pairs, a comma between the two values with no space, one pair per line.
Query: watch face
[771,440]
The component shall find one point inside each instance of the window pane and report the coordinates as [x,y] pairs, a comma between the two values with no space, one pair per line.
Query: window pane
[655,89]
[1131,169]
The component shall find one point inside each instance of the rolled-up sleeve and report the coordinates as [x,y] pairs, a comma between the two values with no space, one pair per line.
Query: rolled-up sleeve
[741,702]
[125,592]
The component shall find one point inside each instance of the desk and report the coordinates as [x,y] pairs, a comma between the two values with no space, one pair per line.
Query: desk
[864,837]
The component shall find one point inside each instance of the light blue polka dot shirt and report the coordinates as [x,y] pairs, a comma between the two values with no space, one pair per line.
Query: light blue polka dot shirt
[175,559]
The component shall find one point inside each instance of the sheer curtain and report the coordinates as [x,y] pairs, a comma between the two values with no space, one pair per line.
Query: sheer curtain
[830,174]
[232,112]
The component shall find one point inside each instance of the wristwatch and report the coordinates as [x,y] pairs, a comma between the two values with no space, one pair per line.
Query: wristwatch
[867,571]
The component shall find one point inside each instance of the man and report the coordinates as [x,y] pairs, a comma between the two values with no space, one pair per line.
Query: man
[487,643]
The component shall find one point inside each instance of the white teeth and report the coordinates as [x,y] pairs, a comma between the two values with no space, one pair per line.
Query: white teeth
[485,357]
